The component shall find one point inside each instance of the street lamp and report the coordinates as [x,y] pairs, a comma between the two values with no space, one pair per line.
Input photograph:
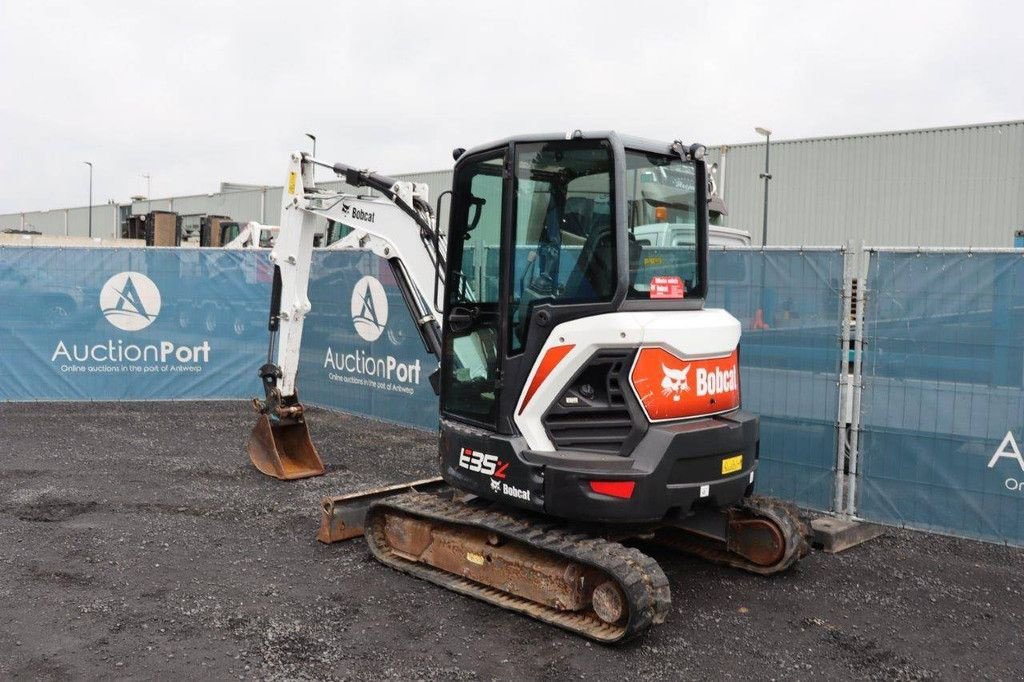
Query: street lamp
[767,176]
[312,137]
[759,315]
[89,164]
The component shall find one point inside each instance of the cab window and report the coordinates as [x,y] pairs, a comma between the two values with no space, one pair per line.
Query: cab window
[564,244]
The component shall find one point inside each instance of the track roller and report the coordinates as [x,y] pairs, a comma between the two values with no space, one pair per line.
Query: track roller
[532,565]
[761,536]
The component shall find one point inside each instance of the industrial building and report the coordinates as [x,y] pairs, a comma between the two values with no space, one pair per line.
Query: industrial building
[955,186]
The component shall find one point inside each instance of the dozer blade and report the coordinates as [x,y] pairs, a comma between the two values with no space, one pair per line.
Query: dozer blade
[343,517]
[283,451]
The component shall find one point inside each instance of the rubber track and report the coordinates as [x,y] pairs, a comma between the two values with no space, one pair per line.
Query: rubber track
[781,515]
[641,579]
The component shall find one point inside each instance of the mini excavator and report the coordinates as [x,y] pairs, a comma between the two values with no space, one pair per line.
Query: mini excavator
[589,401]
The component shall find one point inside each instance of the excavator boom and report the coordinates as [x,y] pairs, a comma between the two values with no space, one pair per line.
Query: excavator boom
[398,226]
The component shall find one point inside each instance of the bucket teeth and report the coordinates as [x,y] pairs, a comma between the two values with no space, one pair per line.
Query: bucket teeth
[283,450]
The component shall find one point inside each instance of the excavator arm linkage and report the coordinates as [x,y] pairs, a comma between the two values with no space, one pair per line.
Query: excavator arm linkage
[399,226]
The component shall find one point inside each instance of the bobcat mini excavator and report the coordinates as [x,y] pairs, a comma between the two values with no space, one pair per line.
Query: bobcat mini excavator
[587,396]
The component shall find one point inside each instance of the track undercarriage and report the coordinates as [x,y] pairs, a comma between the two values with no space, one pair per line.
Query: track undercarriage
[581,578]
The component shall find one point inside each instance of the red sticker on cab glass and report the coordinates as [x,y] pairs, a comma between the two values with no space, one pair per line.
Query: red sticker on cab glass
[667,286]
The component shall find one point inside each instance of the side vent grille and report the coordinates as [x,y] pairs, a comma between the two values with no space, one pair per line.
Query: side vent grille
[592,414]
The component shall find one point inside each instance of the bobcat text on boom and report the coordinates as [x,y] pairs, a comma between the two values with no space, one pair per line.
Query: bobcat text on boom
[118,351]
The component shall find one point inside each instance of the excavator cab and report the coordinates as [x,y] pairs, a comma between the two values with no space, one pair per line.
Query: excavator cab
[536,240]
[563,328]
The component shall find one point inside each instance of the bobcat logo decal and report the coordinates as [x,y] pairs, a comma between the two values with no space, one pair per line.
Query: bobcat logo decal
[674,381]
[671,387]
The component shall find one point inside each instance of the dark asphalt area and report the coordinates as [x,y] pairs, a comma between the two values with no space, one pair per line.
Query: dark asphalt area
[137,542]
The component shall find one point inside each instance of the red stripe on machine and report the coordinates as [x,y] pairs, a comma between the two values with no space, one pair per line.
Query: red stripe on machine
[552,357]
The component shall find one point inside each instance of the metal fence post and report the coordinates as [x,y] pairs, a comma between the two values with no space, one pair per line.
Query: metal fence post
[842,382]
[863,292]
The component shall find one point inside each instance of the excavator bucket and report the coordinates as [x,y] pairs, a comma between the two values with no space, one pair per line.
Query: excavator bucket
[284,450]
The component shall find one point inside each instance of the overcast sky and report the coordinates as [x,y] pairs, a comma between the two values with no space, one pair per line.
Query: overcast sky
[197,93]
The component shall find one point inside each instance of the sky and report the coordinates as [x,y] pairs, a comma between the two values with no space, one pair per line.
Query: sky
[196,93]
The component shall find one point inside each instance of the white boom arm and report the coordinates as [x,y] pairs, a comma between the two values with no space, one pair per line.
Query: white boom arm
[399,227]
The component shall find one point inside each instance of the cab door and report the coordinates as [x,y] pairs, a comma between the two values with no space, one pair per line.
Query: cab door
[472,344]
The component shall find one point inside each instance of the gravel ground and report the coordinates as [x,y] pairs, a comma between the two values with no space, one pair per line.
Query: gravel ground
[136,541]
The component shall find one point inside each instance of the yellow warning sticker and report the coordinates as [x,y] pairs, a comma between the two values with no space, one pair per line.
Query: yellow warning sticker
[731,464]
[474,558]
[291,182]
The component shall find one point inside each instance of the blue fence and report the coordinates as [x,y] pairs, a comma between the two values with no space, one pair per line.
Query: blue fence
[137,324]
[942,408]
[361,352]
[131,324]
[942,424]
[790,304]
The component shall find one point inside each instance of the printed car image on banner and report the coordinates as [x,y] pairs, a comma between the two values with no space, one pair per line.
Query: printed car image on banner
[361,352]
[131,324]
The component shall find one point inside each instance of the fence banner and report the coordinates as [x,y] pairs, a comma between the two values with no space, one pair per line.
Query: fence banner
[361,352]
[131,324]
[943,400]
[789,303]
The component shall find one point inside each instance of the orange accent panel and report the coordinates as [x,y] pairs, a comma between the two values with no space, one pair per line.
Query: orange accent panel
[671,388]
[552,357]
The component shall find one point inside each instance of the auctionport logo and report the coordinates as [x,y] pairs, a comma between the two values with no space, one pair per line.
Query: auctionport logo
[362,368]
[130,301]
[1008,449]
[369,308]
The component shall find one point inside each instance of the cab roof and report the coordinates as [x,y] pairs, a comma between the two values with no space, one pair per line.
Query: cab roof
[624,141]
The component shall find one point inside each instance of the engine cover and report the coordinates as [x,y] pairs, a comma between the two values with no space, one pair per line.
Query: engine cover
[677,349]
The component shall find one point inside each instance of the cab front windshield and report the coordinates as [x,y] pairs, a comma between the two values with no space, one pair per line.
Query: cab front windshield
[564,238]
[661,206]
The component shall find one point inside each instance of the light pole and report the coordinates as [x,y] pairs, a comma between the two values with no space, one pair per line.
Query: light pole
[767,176]
[149,199]
[759,316]
[89,164]
[312,137]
